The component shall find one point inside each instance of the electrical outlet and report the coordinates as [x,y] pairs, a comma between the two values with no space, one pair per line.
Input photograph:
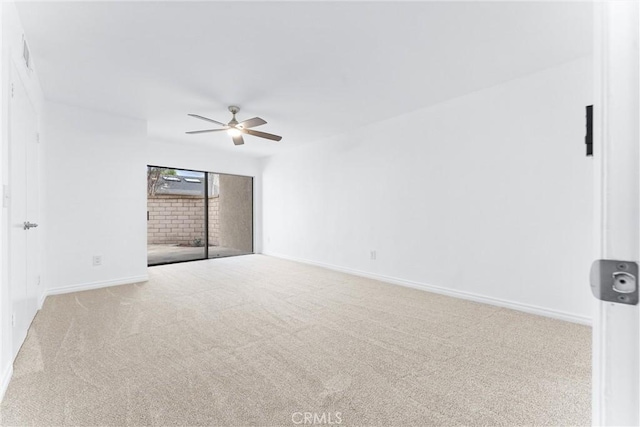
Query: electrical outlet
[97,260]
[373,255]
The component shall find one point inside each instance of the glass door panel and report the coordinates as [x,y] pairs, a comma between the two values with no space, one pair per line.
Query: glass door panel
[175,215]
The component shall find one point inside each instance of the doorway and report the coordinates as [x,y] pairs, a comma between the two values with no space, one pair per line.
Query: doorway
[195,215]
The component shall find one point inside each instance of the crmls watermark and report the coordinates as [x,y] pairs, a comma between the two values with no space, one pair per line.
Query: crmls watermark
[317,418]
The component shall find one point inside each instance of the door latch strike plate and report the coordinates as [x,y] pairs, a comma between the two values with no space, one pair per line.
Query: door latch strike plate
[615,281]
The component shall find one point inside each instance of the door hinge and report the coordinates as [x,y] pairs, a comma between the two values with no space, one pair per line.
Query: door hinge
[12,90]
[38,137]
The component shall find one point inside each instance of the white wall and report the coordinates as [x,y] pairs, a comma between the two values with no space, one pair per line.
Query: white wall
[11,41]
[196,156]
[95,194]
[486,196]
[93,198]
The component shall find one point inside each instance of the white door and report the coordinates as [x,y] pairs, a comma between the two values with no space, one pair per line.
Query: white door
[616,327]
[23,207]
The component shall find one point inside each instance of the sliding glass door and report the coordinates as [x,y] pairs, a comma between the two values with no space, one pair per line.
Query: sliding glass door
[185,225]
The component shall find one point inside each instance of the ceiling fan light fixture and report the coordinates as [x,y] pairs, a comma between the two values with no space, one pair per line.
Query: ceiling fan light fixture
[234,132]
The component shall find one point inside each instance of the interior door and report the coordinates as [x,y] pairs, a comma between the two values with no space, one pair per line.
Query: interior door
[616,326]
[23,196]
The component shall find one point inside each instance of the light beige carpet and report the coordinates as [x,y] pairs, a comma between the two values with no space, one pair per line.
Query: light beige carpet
[255,340]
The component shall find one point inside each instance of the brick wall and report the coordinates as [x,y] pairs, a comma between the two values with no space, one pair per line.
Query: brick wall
[179,220]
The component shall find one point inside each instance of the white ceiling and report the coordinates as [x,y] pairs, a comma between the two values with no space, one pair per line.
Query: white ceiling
[310,69]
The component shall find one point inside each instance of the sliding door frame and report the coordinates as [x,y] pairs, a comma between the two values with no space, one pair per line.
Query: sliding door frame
[206,213]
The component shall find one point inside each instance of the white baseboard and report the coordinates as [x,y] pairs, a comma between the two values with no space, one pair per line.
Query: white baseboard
[6,378]
[527,308]
[41,300]
[95,285]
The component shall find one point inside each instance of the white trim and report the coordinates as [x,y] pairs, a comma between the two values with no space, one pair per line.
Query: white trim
[6,378]
[616,327]
[43,296]
[95,285]
[527,308]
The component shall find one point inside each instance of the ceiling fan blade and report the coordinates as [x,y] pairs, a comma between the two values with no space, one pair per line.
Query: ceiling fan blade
[209,120]
[204,131]
[251,123]
[238,139]
[262,134]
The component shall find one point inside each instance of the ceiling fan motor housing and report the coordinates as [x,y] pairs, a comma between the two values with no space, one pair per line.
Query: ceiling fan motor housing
[233,110]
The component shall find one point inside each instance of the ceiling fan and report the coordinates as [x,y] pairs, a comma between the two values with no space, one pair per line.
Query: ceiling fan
[235,129]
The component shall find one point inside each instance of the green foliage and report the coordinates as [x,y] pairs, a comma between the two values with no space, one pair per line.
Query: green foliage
[153,178]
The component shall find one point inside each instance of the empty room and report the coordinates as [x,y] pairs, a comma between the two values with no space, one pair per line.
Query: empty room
[292,213]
